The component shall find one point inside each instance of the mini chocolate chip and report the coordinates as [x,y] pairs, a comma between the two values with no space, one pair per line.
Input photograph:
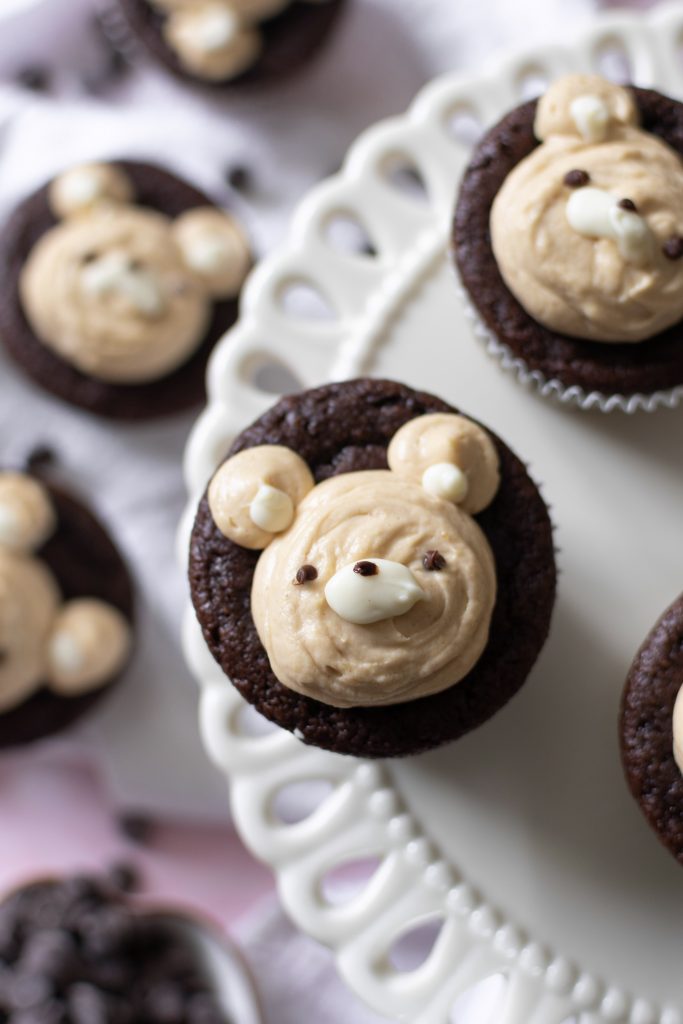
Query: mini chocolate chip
[366,568]
[306,574]
[577,178]
[240,178]
[124,877]
[89,257]
[673,247]
[627,204]
[434,561]
[4,655]
[136,827]
[40,457]
[35,78]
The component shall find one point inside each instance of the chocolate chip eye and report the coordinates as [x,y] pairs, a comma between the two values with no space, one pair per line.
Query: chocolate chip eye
[627,204]
[673,247]
[576,178]
[89,257]
[306,574]
[135,265]
[4,655]
[433,561]
[366,568]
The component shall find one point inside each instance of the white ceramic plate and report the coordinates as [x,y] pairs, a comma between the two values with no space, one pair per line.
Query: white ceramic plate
[521,839]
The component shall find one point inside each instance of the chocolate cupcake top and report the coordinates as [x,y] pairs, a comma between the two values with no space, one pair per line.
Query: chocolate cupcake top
[217,40]
[121,292]
[71,647]
[587,230]
[374,587]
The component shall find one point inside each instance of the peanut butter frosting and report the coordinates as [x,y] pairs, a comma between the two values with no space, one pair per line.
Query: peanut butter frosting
[355,518]
[110,294]
[580,227]
[71,647]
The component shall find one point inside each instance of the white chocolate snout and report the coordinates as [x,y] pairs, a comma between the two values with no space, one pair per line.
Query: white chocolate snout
[372,590]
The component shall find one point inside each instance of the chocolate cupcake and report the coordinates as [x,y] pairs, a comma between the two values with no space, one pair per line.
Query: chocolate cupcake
[230,44]
[651,729]
[119,280]
[568,236]
[66,610]
[373,570]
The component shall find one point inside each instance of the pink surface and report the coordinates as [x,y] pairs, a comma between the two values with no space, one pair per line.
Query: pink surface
[56,817]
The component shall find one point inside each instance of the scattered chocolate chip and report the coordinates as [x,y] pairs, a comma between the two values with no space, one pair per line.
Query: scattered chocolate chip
[433,561]
[576,178]
[366,568]
[627,204]
[35,78]
[40,457]
[240,178]
[306,574]
[125,877]
[137,827]
[673,247]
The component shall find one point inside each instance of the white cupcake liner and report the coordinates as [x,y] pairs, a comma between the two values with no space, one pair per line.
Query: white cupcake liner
[573,395]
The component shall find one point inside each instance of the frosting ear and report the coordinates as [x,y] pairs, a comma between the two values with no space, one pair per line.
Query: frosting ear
[81,188]
[254,495]
[215,249]
[27,517]
[583,105]
[89,644]
[450,456]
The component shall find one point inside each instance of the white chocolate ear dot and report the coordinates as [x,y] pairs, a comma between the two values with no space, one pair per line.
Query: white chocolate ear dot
[80,188]
[591,117]
[245,494]
[445,480]
[27,516]
[364,598]
[271,509]
[89,645]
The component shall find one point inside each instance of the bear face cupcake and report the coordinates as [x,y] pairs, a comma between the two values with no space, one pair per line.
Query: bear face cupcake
[372,570]
[568,237]
[651,729]
[227,44]
[120,278]
[66,610]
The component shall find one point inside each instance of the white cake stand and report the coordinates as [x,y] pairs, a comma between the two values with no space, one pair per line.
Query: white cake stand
[521,840]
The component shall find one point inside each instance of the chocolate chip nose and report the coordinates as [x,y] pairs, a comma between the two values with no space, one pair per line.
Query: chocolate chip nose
[366,568]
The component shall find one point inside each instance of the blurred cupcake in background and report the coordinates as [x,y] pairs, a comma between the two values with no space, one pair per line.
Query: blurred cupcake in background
[120,278]
[66,609]
[227,44]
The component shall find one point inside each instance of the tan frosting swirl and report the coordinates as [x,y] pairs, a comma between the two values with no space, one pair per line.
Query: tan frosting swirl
[27,517]
[214,246]
[109,293]
[238,481]
[211,41]
[89,644]
[444,438]
[580,283]
[29,599]
[357,516]
[80,188]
